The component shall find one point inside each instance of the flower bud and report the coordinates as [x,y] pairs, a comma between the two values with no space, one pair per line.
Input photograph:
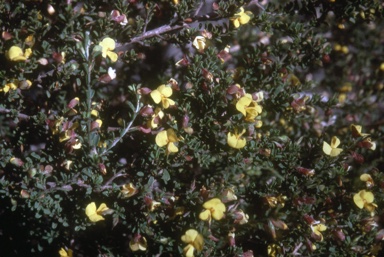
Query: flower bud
[16,161]
[144,91]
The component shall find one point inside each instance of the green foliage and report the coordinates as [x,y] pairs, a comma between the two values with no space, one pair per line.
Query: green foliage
[73,133]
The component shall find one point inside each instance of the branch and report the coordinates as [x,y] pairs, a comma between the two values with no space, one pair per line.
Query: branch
[19,115]
[152,33]
[126,130]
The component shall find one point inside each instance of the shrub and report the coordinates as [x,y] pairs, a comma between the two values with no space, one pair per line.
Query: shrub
[169,128]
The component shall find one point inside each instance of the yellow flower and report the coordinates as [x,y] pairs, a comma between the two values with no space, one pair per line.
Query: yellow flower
[332,149]
[248,107]
[138,243]
[367,179]
[155,119]
[213,208]
[199,43]
[317,229]
[241,17]
[108,45]
[235,140]
[10,86]
[93,214]
[273,250]
[167,138]
[356,131]
[366,142]
[364,199]
[16,54]
[128,190]
[161,94]
[194,241]
[64,253]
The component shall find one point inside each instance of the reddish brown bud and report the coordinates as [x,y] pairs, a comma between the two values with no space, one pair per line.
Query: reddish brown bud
[144,91]
[146,111]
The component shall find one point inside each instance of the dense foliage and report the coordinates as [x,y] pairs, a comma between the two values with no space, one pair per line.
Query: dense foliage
[195,128]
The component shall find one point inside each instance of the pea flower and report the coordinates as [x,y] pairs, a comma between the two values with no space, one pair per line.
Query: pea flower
[161,94]
[273,250]
[332,149]
[248,107]
[367,179]
[155,119]
[241,17]
[138,243]
[9,86]
[317,229]
[167,138]
[235,139]
[194,241]
[93,214]
[366,142]
[199,43]
[213,208]
[108,45]
[64,253]
[16,54]
[364,199]
[128,190]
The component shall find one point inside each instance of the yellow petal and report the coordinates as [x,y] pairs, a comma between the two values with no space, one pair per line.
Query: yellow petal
[198,243]
[162,138]
[172,148]
[28,53]
[63,253]
[335,142]
[102,208]
[358,200]
[188,250]
[189,236]
[335,152]
[367,196]
[165,90]
[205,215]
[90,211]
[212,203]
[15,53]
[242,104]
[244,18]
[235,142]
[108,43]
[156,96]
[236,23]
[172,137]
[112,55]
[327,149]
[167,102]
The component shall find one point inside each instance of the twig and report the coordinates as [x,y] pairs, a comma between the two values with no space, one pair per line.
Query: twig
[126,130]
[107,184]
[152,33]
[19,115]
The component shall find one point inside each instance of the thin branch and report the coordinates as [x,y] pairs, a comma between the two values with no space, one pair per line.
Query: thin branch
[152,33]
[107,184]
[19,115]
[126,130]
